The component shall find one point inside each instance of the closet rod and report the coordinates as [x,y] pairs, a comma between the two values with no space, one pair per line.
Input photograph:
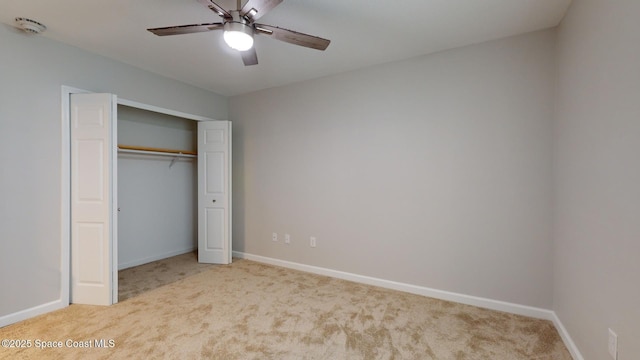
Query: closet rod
[155,151]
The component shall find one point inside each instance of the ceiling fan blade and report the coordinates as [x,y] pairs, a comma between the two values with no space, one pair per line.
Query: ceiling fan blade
[293,37]
[216,9]
[254,9]
[249,57]
[185,29]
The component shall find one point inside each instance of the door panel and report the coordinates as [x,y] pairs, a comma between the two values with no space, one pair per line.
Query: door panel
[92,203]
[215,179]
[90,241]
[214,192]
[215,229]
[89,172]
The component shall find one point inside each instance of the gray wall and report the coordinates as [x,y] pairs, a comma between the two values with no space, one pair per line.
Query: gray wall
[32,70]
[435,171]
[597,176]
[157,196]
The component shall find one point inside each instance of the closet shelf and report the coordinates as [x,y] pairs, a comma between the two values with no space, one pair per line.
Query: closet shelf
[156,151]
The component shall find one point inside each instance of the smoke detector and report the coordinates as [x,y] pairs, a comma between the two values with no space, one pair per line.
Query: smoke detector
[30,26]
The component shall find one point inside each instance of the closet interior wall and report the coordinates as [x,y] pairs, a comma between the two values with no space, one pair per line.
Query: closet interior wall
[157,194]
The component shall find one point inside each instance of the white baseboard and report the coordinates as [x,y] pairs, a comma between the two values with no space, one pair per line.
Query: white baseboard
[568,342]
[154,258]
[31,312]
[425,291]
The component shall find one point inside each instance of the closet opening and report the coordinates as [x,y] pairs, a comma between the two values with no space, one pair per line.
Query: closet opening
[157,200]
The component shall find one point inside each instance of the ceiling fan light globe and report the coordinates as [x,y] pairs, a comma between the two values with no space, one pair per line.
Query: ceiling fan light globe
[238,40]
[238,36]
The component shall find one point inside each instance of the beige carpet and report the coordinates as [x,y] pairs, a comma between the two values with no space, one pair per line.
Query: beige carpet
[249,310]
[137,280]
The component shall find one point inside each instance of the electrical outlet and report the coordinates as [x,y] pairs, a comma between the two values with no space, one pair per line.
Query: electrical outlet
[613,344]
[274,237]
[312,242]
[287,239]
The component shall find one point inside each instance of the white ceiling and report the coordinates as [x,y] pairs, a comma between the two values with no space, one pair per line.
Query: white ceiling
[362,33]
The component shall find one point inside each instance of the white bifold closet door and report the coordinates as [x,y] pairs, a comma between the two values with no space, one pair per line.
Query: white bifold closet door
[94,266]
[93,187]
[214,192]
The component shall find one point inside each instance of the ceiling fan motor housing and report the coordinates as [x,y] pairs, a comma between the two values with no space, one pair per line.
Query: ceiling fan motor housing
[237,18]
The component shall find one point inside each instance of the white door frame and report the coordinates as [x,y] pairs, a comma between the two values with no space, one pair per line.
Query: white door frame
[65,191]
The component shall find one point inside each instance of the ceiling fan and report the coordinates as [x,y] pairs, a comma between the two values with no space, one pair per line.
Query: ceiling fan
[239,28]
